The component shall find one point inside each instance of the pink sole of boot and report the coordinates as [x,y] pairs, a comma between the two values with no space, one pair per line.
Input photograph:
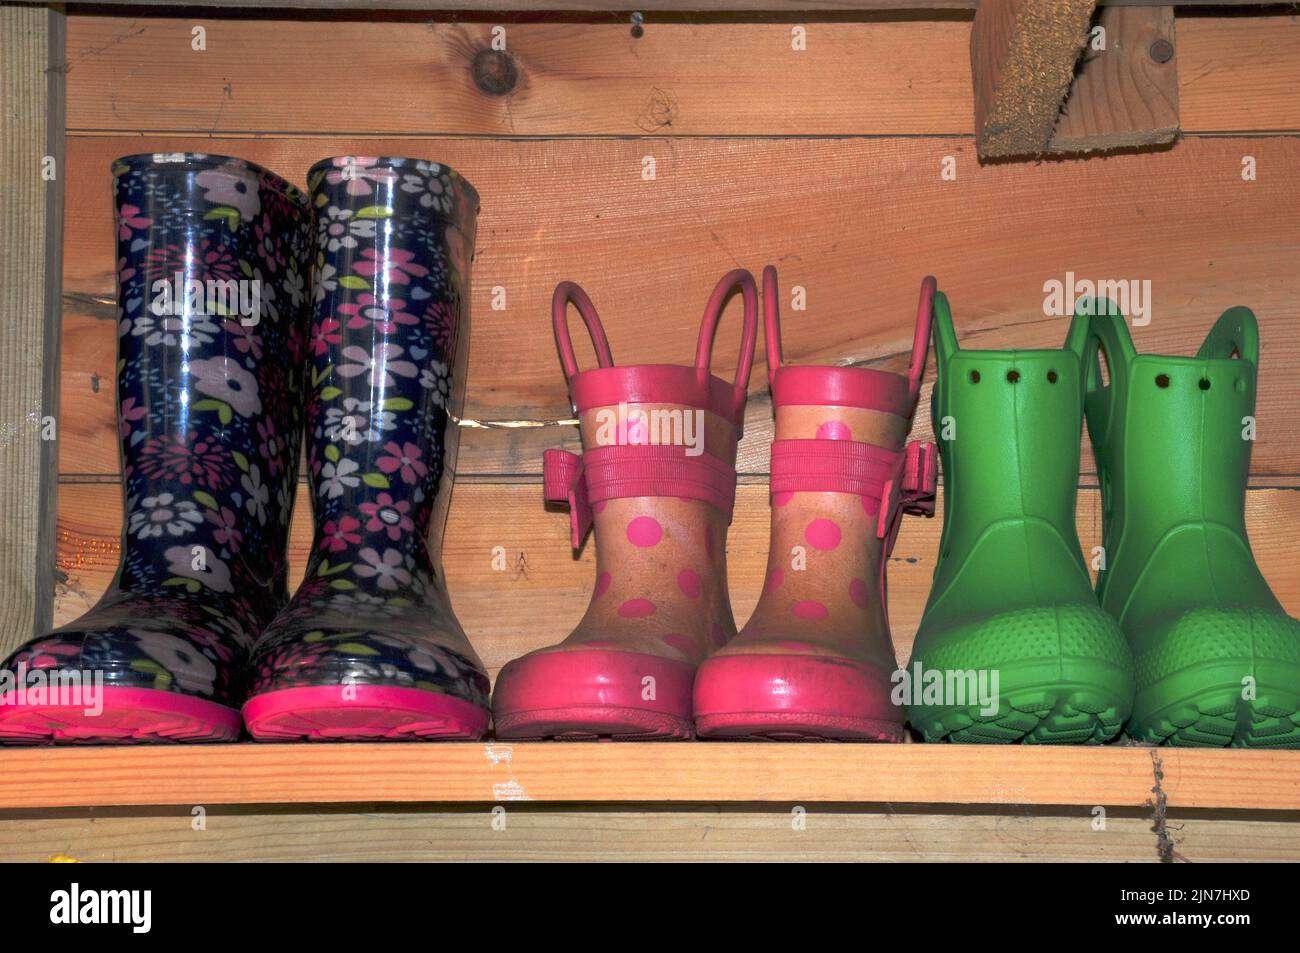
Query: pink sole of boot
[128,715]
[588,695]
[376,713]
[794,698]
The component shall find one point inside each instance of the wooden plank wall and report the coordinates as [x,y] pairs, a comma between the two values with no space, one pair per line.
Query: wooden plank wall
[828,161]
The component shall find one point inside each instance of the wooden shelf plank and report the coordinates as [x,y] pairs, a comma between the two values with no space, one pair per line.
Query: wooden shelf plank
[646,772]
[717,833]
[711,832]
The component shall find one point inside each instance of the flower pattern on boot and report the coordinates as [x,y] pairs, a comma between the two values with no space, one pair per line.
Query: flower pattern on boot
[394,239]
[209,385]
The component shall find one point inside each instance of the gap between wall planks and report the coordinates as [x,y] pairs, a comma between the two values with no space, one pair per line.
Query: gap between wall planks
[501,609]
[383,832]
[858,237]
[681,79]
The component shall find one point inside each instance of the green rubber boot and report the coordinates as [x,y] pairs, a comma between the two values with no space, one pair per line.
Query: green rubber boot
[1012,610]
[1217,659]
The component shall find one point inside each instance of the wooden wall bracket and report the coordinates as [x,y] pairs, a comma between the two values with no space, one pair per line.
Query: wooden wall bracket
[1125,95]
[1049,77]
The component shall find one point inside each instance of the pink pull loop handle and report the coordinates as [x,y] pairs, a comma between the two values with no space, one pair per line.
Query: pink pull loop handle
[771,323]
[566,293]
[921,339]
[742,279]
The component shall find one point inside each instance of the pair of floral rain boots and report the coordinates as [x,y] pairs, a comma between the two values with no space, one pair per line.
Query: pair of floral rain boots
[239,324]
[1182,639]
[656,656]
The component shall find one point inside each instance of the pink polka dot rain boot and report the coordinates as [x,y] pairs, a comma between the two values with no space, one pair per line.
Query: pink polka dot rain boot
[814,662]
[657,480]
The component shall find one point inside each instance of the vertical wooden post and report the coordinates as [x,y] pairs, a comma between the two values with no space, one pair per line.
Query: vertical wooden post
[32,58]
[1023,55]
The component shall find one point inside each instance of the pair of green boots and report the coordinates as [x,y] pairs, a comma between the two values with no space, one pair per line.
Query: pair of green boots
[1182,642]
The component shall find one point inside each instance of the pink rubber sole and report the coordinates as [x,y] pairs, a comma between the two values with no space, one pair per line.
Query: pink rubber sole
[586,695]
[794,698]
[128,715]
[368,713]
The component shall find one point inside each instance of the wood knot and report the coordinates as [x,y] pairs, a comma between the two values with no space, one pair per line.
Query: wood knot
[495,72]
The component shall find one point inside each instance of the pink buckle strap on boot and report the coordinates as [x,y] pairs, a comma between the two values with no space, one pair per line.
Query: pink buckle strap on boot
[890,482]
[611,473]
[815,660]
[660,504]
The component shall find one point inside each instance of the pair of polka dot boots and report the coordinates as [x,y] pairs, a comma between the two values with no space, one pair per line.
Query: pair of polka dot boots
[657,656]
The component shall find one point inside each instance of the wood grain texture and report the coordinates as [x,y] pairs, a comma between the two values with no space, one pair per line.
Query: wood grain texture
[542,594]
[251,773]
[721,79]
[719,833]
[1023,55]
[594,6]
[1126,94]
[31,129]
[857,236]
[573,78]
[1237,73]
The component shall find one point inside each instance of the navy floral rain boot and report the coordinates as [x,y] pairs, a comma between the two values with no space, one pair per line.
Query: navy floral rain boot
[369,647]
[212,262]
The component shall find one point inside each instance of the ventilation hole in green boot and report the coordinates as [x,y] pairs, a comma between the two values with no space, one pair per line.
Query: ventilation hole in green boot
[974,377]
[1162,380]
[1013,376]
[1051,377]
[1205,383]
